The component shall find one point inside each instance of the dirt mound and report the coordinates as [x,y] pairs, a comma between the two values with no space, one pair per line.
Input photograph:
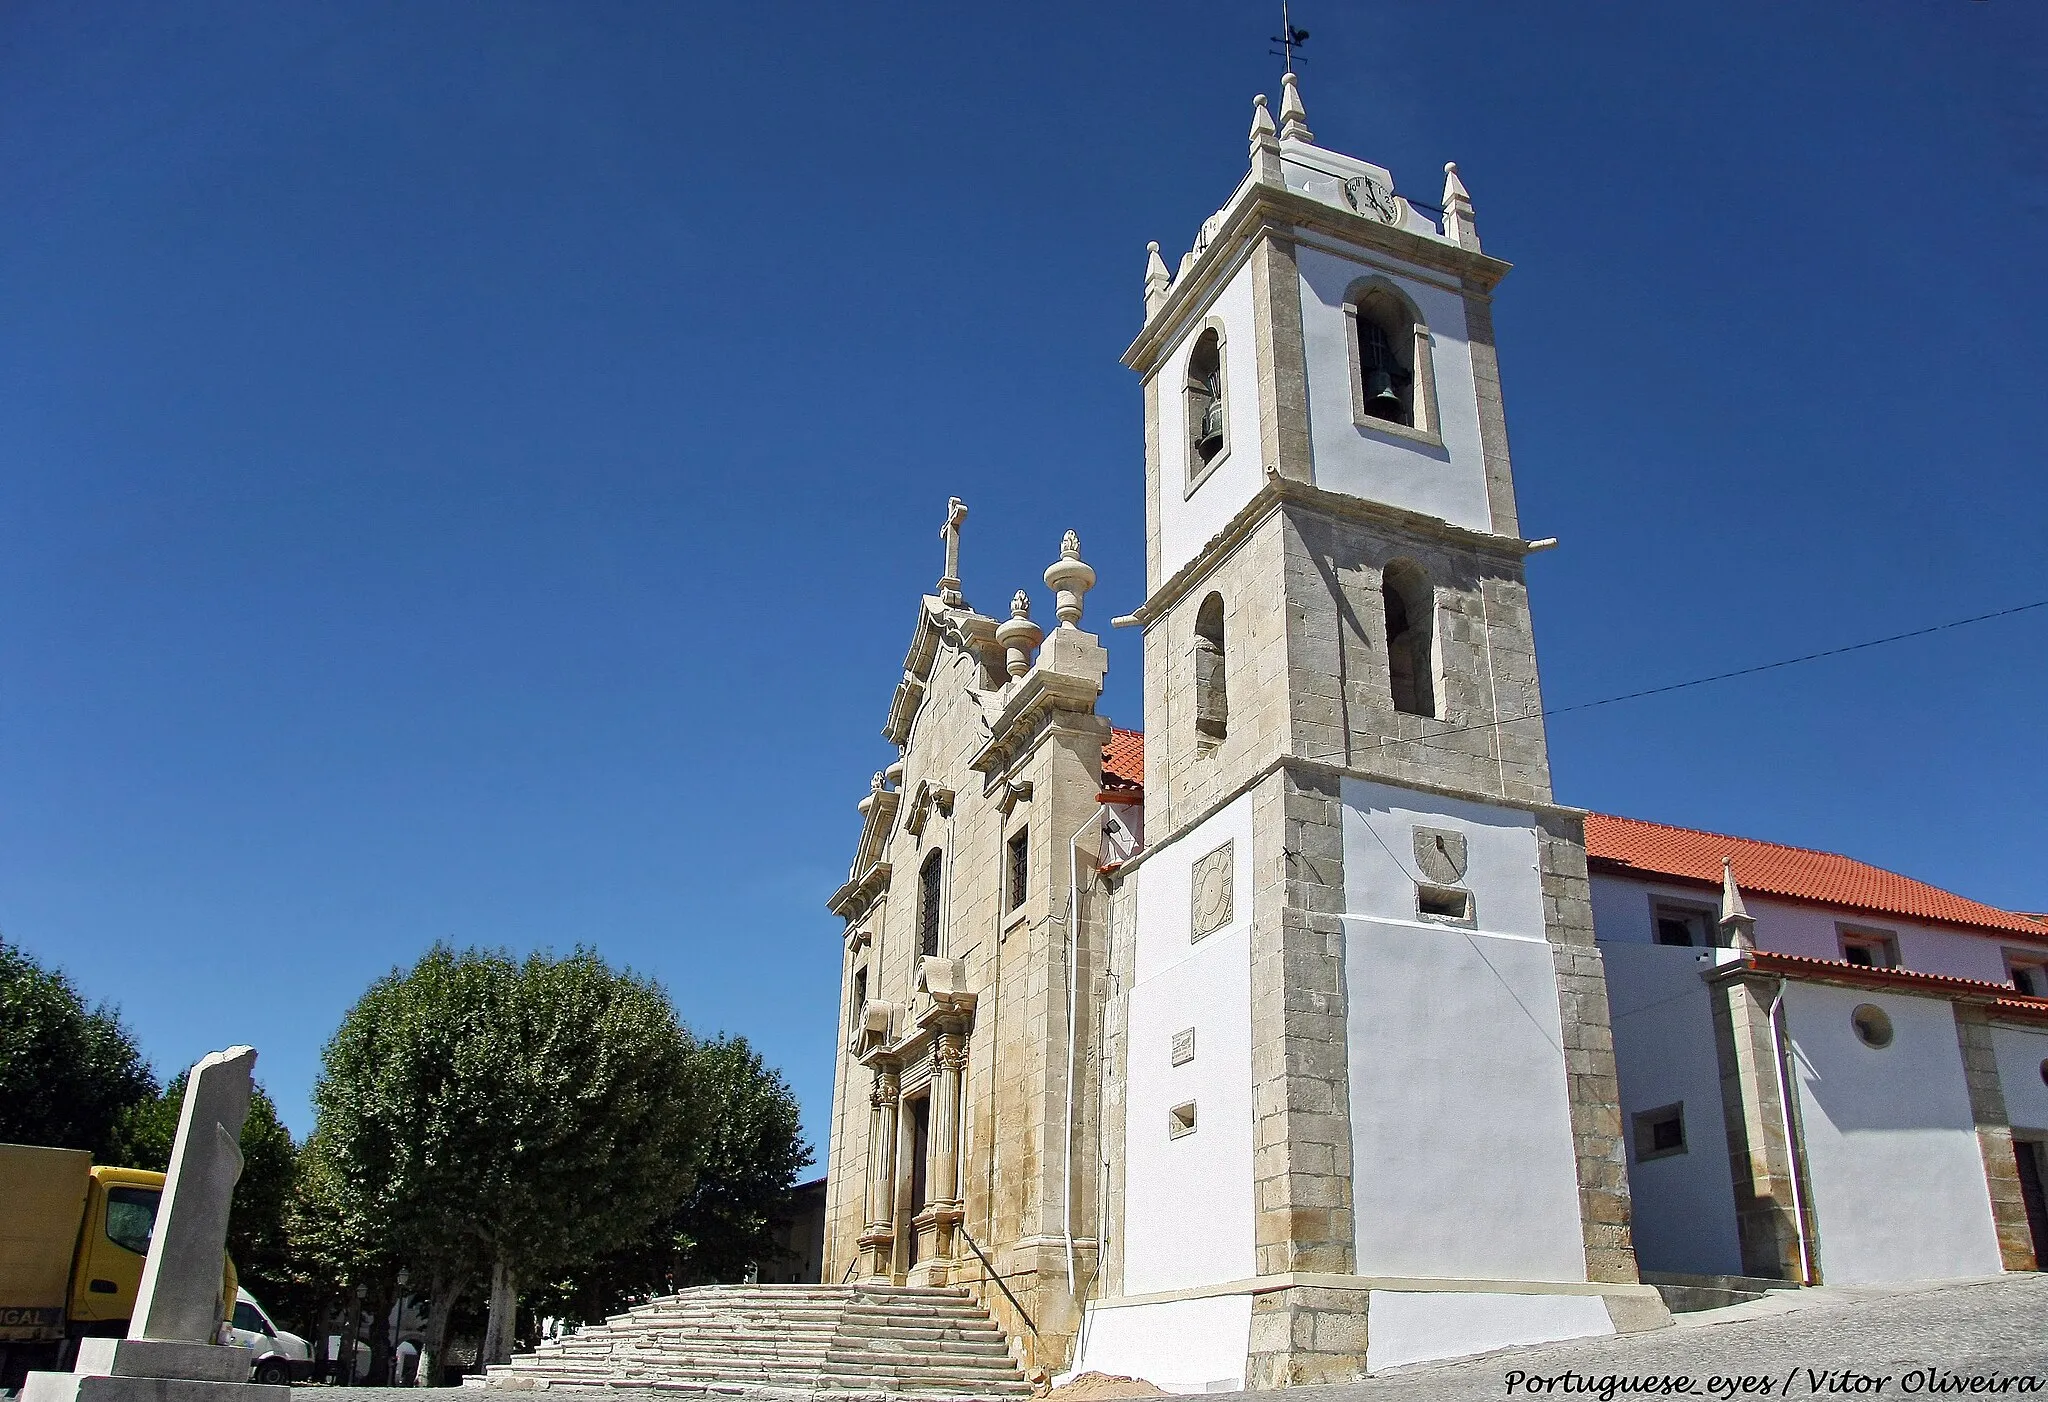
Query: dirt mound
[1103,1387]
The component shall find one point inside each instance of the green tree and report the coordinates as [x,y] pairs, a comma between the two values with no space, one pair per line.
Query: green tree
[749,1148]
[148,1131]
[67,1072]
[746,1150]
[480,1115]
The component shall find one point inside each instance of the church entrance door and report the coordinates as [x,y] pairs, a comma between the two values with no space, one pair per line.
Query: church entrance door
[920,1150]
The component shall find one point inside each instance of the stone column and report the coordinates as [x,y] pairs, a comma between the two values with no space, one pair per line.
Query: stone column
[950,1058]
[1994,1138]
[878,1240]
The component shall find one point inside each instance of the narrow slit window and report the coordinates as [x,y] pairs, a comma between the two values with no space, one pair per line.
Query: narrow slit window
[930,879]
[1020,867]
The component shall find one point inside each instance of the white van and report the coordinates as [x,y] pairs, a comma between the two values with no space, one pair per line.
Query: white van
[275,1355]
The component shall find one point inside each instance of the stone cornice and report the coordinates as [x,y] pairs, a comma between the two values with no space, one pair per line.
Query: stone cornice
[1259,776]
[852,900]
[1037,694]
[1279,491]
[1999,1000]
[1257,209]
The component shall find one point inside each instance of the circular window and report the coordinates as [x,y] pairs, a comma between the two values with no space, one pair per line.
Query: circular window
[1873,1028]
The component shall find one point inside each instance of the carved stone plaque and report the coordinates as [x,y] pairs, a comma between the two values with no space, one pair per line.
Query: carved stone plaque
[1441,855]
[1213,904]
[1184,1046]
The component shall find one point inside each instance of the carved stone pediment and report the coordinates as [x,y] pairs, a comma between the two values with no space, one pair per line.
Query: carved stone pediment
[929,796]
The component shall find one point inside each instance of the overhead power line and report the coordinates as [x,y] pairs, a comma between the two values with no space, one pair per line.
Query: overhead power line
[1721,676]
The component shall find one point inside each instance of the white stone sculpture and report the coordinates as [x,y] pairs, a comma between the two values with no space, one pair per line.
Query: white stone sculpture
[171,1353]
[1019,637]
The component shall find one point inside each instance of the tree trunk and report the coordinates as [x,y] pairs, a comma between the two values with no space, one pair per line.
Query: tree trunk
[448,1289]
[504,1304]
[383,1304]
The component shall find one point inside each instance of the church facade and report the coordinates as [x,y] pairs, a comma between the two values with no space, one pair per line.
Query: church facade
[1273,1045]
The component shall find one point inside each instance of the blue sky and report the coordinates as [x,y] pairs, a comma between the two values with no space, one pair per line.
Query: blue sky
[466,471]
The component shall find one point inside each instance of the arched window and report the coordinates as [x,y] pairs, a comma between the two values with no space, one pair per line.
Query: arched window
[1212,702]
[1204,396]
[1411,637]
[930,879]
[1392,377]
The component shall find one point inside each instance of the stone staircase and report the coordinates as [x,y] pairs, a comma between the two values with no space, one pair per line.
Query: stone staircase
[812,1339]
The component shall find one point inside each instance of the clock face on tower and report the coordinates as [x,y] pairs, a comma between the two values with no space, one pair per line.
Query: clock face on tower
[1372,199]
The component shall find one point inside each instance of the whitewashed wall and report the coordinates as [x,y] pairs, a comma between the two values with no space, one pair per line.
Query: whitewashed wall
[2022,1052]
[1179,1345]
[1621,915]
[1664,1050]
[1896,1177]
[1461,1130]
[1205,1177]
[1449,482]
[1187,523]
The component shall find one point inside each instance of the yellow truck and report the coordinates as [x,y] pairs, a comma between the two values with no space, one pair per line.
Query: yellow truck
[73,1235]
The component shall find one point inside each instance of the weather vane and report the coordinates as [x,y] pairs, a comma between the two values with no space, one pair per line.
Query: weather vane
[1289,38]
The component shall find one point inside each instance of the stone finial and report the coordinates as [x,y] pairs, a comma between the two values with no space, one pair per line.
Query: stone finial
[1459,225]
[1265,145]
[1293,116]
[876,787]
[1156,280]
[1071,579]
[1738,926]
[1019,637]
[949,582]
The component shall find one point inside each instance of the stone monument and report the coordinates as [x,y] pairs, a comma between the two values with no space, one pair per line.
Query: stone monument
[171,1353]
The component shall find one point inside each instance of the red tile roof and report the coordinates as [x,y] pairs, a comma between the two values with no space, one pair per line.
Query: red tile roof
[1123,760]
[2001,997]
[1795,873]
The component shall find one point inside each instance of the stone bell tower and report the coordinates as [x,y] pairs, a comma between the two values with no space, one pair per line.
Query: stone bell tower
[1357,1024]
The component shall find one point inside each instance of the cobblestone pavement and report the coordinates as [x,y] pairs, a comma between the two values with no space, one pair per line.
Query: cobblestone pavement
[1849,1341]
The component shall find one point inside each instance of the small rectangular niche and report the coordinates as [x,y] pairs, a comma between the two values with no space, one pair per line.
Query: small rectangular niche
[1184,1046]
[1180,1120]
[1445,905]
[1683,925]
[1660,1133]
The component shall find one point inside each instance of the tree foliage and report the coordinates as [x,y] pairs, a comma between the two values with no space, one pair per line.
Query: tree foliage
[477,1111]
[67,1072]
[256,1227]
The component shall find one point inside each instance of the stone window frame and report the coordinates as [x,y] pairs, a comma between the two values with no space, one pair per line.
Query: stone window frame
[1207,741]
[1885,942]
[1643,1129]
[1181,1120]
[2034,962]
[1425,890]
[1707,915]
[1428,426]
[1193,476]
[931,904]
[1016,872]
[1407,565]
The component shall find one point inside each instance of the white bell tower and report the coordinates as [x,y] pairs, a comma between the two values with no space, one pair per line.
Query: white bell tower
[1358,1026]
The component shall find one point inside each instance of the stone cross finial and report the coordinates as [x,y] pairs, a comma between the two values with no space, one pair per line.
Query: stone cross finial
[1738,926]
[1156,280]
[949,583]
[1019,637]
[1293,116]
[1070,579]
[1459,224]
